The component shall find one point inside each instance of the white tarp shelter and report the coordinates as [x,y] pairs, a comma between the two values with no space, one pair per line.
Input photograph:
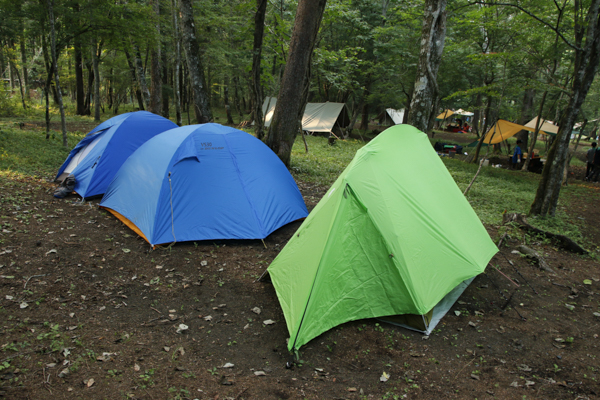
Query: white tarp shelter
[546,126]
[318,117]
[392,117]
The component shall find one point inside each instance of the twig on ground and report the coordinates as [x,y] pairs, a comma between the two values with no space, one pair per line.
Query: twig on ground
[33,276]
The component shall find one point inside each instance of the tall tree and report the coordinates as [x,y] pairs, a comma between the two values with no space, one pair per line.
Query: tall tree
[257,91]
[287,117]
[155,69]
[55,68]
[194,61]
[177,69]
[586,48]
[423,105]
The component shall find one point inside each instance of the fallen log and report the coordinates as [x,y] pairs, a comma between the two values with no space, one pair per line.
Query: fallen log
[561,240]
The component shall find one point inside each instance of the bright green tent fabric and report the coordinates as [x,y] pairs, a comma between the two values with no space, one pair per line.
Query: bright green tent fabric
[393,235]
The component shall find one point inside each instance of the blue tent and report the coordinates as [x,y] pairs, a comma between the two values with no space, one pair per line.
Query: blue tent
[99,155]
[202,182]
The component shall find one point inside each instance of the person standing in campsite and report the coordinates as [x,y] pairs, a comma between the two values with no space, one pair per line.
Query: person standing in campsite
[590,161]
[596,168]
[517,155]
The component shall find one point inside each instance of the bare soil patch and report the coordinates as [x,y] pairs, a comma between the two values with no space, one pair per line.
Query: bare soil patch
[90,312]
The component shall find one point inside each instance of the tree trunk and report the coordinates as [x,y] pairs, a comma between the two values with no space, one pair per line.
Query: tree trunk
[587,59]
[433,34]
[226,100]
[141,75]
[257,91]
[287,117]
[535,134]
[155,70]
[25,82]
[526,114]
[96,49]
[176,78]
[194,60]
[63,123]
[135,81]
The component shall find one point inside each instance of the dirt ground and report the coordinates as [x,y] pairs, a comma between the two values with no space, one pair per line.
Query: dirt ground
[89,311]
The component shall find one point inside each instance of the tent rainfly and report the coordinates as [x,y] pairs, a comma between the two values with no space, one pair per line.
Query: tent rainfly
[393,237]
[318,117]
[204,182]
[95,160]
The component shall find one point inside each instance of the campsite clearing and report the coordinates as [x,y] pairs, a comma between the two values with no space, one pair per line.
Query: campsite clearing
[89,311]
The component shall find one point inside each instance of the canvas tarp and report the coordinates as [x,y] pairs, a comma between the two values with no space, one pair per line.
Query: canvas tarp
[318,117]
[448,113]
[396,115]
[547,126]
[382,241]
[503,130]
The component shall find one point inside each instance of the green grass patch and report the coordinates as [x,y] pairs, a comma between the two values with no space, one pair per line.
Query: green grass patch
[27,152]
[324,162]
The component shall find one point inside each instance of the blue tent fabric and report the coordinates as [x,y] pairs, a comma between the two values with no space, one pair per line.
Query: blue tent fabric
[202,182]
[117,138]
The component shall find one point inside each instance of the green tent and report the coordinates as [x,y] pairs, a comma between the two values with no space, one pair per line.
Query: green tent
[393,236]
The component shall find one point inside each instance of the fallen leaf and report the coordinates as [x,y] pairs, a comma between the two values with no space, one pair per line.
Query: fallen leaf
[227,365]
[51,251]
[384,377]
[126,250]
[90,382]
[136,367]
[352,389]
[208,318]
[268,322]
[259,373]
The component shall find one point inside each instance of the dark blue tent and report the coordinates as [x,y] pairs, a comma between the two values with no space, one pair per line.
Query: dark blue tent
[201,182]
[99,155]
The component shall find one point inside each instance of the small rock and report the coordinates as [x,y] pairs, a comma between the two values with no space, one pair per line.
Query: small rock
[476,377]
[227,365]
[204,263]
[259,373]
[268,322]
[89,382]
[208,318]
[24,305]
[256,310]
[167,349]
[182,327]
[136,367]
[63,373]
[352,389]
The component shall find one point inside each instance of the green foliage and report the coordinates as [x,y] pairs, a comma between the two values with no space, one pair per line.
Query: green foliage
[27,152]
